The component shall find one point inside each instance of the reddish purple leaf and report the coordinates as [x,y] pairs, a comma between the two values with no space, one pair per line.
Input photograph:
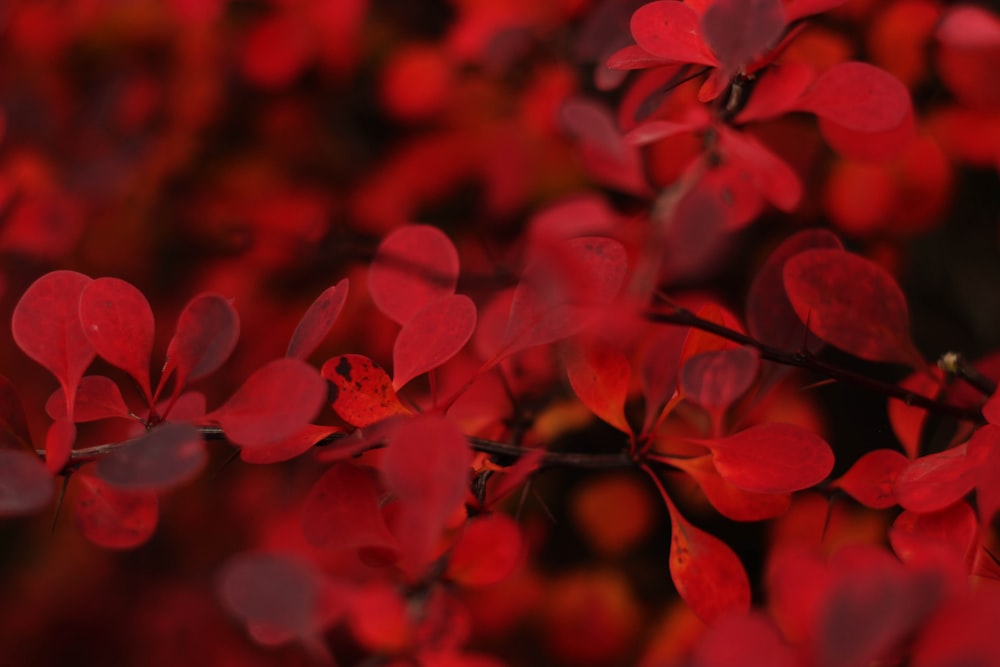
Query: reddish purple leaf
[274,403]
[731,501]
[714,380]
[852,303]
[59,441]
[796,9]
[159,459]
[207,331]
[318,320]
[935,481]
[670,30]
[599,374]
[872,478]
[26,485]
[97,397]
[708,576]
[738,31]
[768,173]
[114,518]
[432,336]
[991,409]
[363,393]
[46,326]
[414,265]
[344,511]
[772,458]
[118,322]
[858,96]
[13,422]
[288,448]
[770,316]
[968,26]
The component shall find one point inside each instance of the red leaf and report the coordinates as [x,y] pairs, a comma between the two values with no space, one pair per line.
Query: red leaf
[870,146]
[871,479]
[770,316]
[26,486]
[921,536]
[772,458]
[343,511]
[515,475]
[414,265]
[97,397]
[907,420]
[13,422]
[59,441]
[969,27]
[287,448]
[714,380]
[749,640]
[738,31]
[985,446]
[599,374]
[163,457]
[207,331]
[488,550]
[935,481]
[113,518]
[777,90]
[46,326]
[852,303]
[991,409]
[708,576]
[363,391]
[858,96]
[274,403]
[670,30]
[118,322]
[432,336]
[659,366]
[728,499]
[318,320]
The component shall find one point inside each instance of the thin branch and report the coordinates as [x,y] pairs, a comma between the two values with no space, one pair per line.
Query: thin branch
[955,364]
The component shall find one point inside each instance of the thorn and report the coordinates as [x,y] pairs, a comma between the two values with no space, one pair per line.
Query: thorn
[545,507]
[62,497]
[820,383]
[225,464]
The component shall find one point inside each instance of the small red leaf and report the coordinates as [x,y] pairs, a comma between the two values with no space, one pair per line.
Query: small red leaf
[772,458]
[935,481]
[26,486]
[922,536]
[318,320]
[46,326]
[98,397]
[599,374]
[489,549]
[118,322]
[432,336]
[852,303]
[714,380]
[659,366]
[670,30]
[872,478]
[207,331]
[343,511]
[728,499]
[59,441]
[113,518]
[274,403]
[414,265]
[363,393]
[287,448]
[708,576]
[907,420]
[858,96]
[163,457]
[738,31]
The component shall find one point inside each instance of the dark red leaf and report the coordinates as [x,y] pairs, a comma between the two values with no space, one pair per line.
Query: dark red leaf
[59,441]
[738,31]
[991,409]
[599,374]
[714,380]
[161,458]
[114,518]
[921,536]
[97,397]
[432,336]
[207,331]
[46,326]
[747,639]
[772,458]
[984,447]
[363,393]
[872,478]
[796,9]
[708,576]
[963,632]
[907,420]
[489,549]
[13,422]
[670,30]
[731,501]
[851,303]
[659,366]
[343,511]
[515,475]
[771,177]
[870,146]
[414,265]
[770,316]
[274,403]
[288,448]
[935,481]
[26,486]
[118,322]
[858,96]
[318,320]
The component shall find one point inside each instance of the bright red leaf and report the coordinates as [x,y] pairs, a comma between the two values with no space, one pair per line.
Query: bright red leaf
[161,458]
[872,478]
[343,511]
[670,31]
[908,420]
[738,31]
[414,265]
[921,536]
[274,403]
[207,331]
[97,397]
[114,518]
[728,499]
[599,374]
[772,458]
[851,303]
[489,549]
[435,334]
[318,320]
[858,96]
[935,481]
[59,441]
[290,447]
[46,326]
[118,322]
[26,485]
[363,393]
